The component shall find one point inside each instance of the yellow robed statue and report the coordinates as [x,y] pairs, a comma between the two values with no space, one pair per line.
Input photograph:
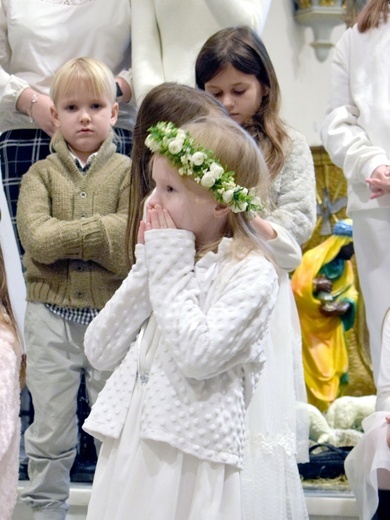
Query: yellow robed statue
[326,299]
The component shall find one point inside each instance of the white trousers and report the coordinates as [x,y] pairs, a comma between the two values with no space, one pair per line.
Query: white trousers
[371,237]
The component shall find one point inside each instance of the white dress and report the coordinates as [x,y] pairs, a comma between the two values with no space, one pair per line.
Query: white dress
[372,454]
[277,423]
[182,486]
[204,360]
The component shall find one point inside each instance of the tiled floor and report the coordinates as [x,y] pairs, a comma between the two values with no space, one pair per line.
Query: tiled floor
[323,504]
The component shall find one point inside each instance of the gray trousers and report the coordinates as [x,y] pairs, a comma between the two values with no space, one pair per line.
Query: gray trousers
[55,362]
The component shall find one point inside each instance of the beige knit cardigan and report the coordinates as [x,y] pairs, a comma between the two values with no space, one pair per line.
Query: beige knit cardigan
[72,226]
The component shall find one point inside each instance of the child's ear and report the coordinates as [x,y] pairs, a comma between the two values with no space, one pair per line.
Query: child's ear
[221,210]
[54,115]
[114,113]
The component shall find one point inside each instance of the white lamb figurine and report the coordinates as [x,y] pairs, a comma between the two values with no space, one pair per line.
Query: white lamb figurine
[349,412]
[320,431]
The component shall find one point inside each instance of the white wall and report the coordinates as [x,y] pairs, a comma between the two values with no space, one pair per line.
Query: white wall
[304,81]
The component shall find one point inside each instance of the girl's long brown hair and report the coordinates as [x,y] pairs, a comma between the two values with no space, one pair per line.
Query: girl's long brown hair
[5,300]
[242,48]
[371,14]
[166,102]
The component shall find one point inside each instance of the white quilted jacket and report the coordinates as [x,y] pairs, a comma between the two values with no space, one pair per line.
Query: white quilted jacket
[212,318]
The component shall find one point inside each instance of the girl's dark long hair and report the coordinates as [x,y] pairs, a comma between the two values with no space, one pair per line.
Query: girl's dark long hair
[242,48]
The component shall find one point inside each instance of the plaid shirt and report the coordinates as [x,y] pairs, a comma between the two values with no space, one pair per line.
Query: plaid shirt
[83,316]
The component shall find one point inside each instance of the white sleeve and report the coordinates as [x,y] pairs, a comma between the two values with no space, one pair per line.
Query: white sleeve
[208,340]
[286,251]
[9,370]
[240,12]
[108,337]
[10,86]
[346,142]
[147,60]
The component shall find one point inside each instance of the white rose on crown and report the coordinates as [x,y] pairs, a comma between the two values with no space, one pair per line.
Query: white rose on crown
[239,206]
[181,135]
[152,144]
[216,170]
[227,196]
[213,174]
[198,158]
[208,180]
[175,146]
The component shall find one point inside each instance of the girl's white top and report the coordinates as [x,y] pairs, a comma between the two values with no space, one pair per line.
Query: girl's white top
[213,317]
[37,37]
[167,35]
[356,130]
[10,355]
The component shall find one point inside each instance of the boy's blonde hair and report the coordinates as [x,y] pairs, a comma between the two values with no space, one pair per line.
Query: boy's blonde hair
[85,73]
[236,150]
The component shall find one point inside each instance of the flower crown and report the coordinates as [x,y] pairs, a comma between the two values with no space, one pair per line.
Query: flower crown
[180,148]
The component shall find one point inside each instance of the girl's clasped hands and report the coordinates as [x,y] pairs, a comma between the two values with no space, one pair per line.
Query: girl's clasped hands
[156,218]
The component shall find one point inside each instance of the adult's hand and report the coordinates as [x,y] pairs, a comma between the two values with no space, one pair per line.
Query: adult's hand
[39,110]
[263,227]
[379,182]
[126,90]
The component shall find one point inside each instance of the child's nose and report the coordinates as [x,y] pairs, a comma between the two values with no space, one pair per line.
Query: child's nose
[227,101]
[85,116]
[153,199]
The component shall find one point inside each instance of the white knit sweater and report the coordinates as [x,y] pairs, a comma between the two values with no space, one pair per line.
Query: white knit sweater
[356,130]
[293,191]
[213,317]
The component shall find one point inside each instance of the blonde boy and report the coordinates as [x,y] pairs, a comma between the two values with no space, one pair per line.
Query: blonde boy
[71,218]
